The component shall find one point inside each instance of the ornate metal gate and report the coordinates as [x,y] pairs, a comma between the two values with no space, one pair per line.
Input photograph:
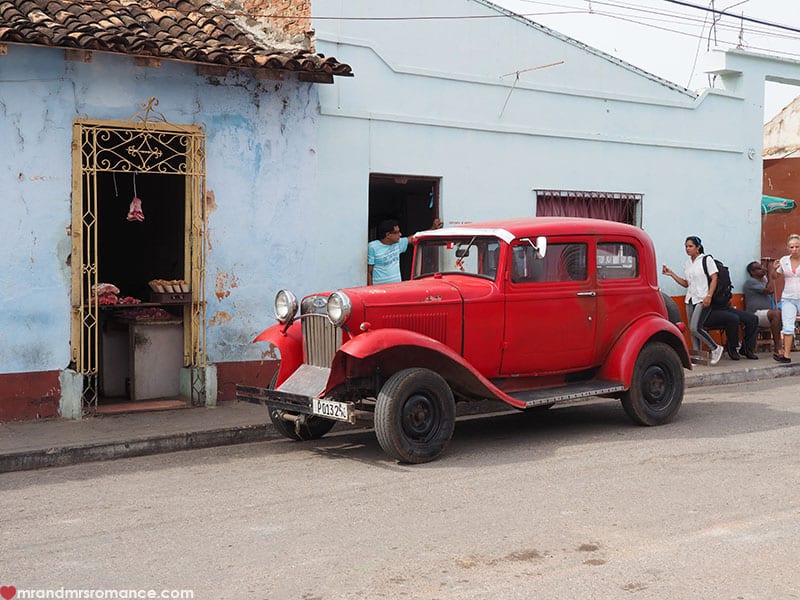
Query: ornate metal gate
[142,145]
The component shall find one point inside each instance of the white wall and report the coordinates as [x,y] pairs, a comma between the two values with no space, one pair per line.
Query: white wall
[261,163]
[427,99]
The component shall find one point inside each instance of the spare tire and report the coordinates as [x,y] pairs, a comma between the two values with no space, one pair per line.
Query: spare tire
[673,312]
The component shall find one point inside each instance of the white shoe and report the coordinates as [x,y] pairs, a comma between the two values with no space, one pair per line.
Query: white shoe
[716,354]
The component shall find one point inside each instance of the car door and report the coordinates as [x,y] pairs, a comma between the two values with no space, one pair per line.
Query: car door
[623,294]
[551,308]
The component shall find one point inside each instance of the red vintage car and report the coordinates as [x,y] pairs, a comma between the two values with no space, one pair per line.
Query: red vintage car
[530,311]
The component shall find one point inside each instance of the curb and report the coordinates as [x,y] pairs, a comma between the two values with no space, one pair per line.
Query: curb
[244,434]
[70,455]
[751,374]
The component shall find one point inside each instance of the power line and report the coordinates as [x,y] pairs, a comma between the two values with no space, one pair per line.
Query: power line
[740,17]
[671,16]
[572,10]
[676,20]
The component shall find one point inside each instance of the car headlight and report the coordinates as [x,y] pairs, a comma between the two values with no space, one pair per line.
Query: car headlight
[285,306]
[339,308]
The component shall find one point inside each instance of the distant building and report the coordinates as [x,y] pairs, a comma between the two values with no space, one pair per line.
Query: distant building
[781,180]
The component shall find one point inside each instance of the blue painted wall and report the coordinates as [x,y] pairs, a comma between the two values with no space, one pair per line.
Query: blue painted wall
[261,164]
[440,98]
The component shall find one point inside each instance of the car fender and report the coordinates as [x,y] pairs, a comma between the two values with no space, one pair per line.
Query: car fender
[289,342]
[377,340]
[619,364]
[402,349]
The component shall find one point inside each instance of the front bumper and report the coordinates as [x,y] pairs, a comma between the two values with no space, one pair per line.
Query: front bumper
[300,394]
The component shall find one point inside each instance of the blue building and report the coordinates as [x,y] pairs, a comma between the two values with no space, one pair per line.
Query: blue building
[145,141]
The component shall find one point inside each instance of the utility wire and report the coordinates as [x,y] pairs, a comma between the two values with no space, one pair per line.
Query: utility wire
[678,16]
[670,17]
[681,19]
[727,14]
[504,16]
[697,52]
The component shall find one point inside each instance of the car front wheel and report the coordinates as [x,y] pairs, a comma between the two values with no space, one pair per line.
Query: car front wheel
[656,391]
[415,415]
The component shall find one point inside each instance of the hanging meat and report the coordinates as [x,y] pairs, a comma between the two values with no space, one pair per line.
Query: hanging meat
[135,211]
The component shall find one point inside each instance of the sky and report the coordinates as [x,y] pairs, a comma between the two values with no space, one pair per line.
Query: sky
[669,39]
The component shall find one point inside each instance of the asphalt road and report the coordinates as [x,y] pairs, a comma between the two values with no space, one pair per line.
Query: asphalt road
[576,502]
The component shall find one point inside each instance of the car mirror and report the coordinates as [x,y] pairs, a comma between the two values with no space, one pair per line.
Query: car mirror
[540,246]
[462,252]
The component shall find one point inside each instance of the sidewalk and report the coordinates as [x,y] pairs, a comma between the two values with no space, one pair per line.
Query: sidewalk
[59,442]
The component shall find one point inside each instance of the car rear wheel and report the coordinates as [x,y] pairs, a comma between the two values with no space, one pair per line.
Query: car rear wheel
[311,429]
[415,415]
[656,391]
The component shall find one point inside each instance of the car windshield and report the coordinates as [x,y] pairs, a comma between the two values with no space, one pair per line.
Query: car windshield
[469,255]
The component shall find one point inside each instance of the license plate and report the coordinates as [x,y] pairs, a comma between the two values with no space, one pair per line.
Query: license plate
[330,409]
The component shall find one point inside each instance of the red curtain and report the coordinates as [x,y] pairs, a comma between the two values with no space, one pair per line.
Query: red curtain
[615,206]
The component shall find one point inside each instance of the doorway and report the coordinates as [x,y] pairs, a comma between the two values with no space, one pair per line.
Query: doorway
[411,200]
[138,217]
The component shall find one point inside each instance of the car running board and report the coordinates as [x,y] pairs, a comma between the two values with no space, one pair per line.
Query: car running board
[571,391]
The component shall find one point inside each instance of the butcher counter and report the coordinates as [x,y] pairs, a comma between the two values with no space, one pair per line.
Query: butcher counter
[141,359]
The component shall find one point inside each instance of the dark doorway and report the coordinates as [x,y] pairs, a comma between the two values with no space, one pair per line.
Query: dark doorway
[131,252]
[412,201]
[140,359]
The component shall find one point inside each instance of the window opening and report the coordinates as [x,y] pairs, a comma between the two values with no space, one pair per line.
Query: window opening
[611,206]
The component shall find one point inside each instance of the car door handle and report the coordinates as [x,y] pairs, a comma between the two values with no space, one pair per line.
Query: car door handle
[592,293]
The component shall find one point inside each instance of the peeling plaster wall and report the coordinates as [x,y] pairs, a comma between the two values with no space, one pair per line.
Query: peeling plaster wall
[261,162]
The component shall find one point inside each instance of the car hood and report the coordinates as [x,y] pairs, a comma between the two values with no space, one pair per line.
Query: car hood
[425,292]
[445,289]
[432,306]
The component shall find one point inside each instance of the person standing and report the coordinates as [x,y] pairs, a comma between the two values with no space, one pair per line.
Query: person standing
[788,267]
[383,254]
[759,298]
[698,294]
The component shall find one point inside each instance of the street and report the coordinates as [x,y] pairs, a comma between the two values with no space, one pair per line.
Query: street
[576,502]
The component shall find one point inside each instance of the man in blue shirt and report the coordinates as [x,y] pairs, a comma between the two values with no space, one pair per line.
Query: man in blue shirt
[383,254]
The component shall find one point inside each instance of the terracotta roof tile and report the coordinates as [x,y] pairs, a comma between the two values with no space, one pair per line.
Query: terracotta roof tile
[187,30]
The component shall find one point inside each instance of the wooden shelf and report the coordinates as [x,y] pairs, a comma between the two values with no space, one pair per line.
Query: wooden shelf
[140,305]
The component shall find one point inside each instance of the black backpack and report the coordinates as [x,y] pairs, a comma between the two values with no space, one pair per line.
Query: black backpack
[723,294]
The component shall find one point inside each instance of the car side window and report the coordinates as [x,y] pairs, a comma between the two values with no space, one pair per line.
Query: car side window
[617,260]
[522,264]
[562,262]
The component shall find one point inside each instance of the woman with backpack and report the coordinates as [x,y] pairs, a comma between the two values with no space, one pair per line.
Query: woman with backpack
[699,291]
[788,267]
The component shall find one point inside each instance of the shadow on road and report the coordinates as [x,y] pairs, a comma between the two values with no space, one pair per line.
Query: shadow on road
[498,438]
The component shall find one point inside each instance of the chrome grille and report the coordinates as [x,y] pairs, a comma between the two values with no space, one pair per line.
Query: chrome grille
[321,339]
